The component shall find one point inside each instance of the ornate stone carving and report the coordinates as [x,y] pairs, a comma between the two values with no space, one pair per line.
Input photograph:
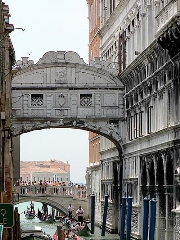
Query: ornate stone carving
[61,100]
[61,75]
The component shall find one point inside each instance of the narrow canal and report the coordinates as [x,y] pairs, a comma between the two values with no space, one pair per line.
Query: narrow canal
[51,228]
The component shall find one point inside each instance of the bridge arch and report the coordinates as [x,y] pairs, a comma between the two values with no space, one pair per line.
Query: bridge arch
[62,91]
[49,201]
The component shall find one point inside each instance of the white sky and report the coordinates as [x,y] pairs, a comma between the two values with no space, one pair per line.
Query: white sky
[56,25]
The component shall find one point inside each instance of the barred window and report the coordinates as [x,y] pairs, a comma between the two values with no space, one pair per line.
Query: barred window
[36,100]
[86,100]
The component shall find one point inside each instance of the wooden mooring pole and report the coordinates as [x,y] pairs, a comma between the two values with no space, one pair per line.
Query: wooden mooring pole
[60,233]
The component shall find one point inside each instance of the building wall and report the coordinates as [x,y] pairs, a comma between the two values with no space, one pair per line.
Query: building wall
[94,147]
[7,60]
[52,170]
[109,158]
[16,158]
[140,38]
[94,24]
[98,155]
[93,174]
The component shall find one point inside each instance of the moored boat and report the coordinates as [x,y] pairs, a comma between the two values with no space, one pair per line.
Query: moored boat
[33,233]
[75,232]
[49,219]
[84,232]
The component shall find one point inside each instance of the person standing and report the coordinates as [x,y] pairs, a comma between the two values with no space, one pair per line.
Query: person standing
[70,209]
[80,213]
[32,206]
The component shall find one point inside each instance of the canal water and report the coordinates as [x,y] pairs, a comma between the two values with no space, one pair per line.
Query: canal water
[51,228]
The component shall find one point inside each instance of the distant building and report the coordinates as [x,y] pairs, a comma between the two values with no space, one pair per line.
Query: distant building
[52,170]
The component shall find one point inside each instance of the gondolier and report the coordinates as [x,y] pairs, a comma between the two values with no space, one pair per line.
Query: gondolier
[32,206]
[70,210]
[80,213]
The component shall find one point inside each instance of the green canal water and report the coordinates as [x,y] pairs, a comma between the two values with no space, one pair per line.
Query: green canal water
[51,228]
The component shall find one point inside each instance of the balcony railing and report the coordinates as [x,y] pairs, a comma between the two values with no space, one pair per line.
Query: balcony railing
[50,190]
[166,15]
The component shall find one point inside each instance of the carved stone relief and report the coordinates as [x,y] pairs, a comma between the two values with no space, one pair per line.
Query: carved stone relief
[61,75]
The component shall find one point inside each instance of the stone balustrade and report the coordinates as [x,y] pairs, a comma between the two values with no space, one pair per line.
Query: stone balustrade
[166,14]
[50,190]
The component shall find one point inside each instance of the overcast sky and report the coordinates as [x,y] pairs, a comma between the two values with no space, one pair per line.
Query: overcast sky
[56,25]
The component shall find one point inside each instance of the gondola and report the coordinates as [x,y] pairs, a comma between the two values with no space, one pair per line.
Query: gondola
[84,232]
[29,215]
[49,219]
[43,218]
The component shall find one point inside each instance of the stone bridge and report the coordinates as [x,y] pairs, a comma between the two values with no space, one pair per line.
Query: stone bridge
[62,91]
[57,197]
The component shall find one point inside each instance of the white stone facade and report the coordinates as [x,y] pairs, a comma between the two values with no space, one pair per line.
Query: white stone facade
[141,39]
[62,91]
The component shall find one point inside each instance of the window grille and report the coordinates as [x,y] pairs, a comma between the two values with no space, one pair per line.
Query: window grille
[86,100]
[36,100]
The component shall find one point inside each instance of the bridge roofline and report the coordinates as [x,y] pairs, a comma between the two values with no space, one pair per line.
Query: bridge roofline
[69,59]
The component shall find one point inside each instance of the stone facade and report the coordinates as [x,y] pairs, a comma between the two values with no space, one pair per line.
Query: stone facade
[53,92]
[7,60]
[60,90]
[93,174]
[52,171]
[94,25]
[141,40]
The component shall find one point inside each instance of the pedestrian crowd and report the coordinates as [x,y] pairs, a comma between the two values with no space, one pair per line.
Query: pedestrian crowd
[52,187]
